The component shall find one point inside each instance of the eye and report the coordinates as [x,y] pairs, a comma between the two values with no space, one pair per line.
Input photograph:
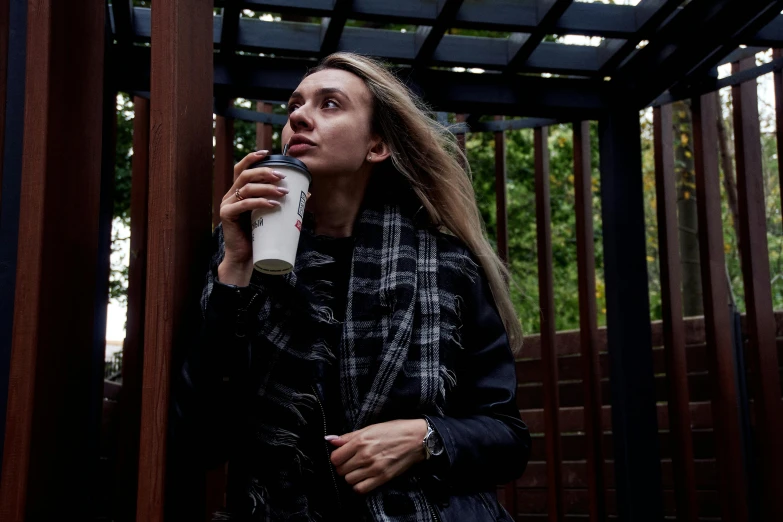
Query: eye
[331,104]
[292,107]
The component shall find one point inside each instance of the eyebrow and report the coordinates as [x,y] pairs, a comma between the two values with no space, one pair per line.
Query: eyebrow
[321,92]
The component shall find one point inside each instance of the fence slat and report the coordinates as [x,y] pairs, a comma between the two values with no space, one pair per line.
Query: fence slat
[673,324]
[547,305]
[762,350]
[50,433]
[264,130]
[5,12]
[224,163]
[500,193]
[726,409]
[179,220]
[588,325]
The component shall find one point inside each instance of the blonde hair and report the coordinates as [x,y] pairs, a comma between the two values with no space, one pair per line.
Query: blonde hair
[427,155]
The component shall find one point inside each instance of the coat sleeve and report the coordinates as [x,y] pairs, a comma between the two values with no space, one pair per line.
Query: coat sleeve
[207,394]
[486,443]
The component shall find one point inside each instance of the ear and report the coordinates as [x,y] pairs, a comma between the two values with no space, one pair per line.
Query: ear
[378,152]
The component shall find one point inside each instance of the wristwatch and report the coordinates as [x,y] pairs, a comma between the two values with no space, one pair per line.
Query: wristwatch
[433,445]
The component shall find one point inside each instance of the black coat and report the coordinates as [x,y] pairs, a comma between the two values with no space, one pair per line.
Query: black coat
[486,442]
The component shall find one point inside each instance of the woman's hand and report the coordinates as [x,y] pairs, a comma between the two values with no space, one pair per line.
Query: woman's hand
[256,188]
[374,455]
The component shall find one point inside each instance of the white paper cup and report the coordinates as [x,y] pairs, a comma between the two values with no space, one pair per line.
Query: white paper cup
[276,231]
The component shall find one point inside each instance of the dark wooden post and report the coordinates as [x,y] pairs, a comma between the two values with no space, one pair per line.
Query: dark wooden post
[588,325]
[762,349]
[5,22]
[49,431]
[717,322]
[634,421]
[13,130]
[673,325]
[264,130]
[133,347]
[500,193]
[777,80]
[224,163]
[179,219]
[461,137]
[554,463]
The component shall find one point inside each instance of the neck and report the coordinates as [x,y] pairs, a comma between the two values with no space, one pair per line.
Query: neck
[335,203]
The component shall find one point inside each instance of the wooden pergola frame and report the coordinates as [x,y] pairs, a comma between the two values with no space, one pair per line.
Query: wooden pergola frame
[61,65]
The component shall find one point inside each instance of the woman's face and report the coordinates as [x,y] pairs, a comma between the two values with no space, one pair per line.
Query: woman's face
[329,123]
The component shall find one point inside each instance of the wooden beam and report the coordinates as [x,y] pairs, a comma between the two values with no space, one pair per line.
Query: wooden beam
[722,364]
[501,194]
[634,422]
[673,323]
[762,349]
[229,27]
[549,12]
[588,326]
[264,131]
[5,11]
[179,219]
[428,37]
[546,301]
[223,177]
[332,26]
[133,347]
[123,21]
[47,452]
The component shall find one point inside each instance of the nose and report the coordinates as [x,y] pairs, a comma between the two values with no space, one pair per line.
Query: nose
[300,119]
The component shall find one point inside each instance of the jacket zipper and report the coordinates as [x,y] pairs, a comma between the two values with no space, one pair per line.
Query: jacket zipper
[328,462]
[434,513]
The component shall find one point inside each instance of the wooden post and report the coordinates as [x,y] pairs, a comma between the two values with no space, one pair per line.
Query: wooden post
[264,130]
[500,193]
[133,347]
[12,145]
[588,326]
[629,338]
[224,163]
[5,11]
[717,322]
[460,118]
[554,463]
[673,325]
[49,432]
[179,219]
[762,348]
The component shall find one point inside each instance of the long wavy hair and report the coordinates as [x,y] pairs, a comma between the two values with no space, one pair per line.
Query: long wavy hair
[427,155]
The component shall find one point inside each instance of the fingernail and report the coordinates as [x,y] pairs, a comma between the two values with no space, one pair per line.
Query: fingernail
[261,152]
[282,189]
[278,174]
[332,437]
[274,203]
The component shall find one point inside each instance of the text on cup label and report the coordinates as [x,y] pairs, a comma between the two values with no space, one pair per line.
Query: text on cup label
[258,223]
[302,201]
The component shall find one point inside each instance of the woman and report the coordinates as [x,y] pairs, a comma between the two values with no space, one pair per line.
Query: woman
[376,382]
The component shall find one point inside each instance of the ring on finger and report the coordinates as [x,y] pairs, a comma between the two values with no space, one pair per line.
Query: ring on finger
[238,195]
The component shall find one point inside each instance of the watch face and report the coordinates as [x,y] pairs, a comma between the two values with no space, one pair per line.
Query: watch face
[434,444]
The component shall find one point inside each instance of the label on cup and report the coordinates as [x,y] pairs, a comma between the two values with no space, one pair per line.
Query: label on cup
[302,202]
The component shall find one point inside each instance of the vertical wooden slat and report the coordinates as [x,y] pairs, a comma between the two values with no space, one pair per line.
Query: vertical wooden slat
[12,146]
[777,80]
[179,219]
[725,402]
[554,463]
[588,325]
[461,137]
[46,461]
[762,349]
[264,130]
[629,339]
[5,11]
[133,347]
[673,324]
[500,193]
[224,163]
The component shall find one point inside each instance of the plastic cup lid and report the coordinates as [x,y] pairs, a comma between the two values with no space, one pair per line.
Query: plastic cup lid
[280,160]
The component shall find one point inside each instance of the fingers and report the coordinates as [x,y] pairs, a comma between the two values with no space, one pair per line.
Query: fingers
[248,160]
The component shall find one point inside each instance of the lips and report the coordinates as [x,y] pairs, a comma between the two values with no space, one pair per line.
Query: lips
[300,140]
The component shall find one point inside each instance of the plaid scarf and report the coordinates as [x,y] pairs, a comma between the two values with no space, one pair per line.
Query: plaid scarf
[400,317]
